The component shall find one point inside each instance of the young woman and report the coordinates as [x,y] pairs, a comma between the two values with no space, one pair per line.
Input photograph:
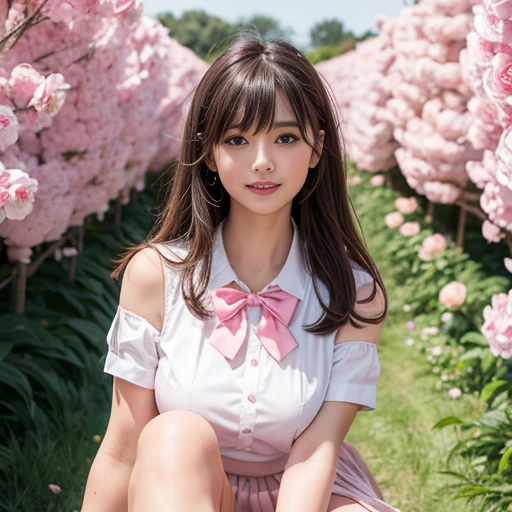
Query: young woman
[245,340]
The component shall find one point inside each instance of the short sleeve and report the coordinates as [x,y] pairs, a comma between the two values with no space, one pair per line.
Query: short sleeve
[361,277]
[354,375]
[132,351]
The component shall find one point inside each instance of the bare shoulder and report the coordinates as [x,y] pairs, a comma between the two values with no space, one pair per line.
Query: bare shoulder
[371,309]
[142,289]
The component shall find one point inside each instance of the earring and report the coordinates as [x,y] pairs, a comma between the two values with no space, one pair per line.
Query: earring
[214,179]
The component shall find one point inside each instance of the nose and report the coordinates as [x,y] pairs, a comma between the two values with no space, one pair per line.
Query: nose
[263,161]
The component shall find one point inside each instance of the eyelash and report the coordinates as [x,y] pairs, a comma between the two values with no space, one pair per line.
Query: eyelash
[284,135]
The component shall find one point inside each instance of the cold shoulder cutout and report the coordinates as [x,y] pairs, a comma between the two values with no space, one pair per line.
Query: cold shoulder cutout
[132,348]
[256,404]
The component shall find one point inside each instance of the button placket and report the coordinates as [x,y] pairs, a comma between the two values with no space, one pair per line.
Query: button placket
[251,380]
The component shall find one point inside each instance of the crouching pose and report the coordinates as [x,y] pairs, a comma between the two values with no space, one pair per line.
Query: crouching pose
[246,336]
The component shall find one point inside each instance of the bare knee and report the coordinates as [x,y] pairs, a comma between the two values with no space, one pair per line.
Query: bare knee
[177,439]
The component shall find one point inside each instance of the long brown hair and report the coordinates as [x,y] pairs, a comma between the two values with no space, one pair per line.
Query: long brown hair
[244,79]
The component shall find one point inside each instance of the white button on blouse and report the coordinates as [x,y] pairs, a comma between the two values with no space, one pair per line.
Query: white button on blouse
[256,405]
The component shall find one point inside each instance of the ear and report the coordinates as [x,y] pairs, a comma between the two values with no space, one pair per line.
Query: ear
[314,156]
[210,162]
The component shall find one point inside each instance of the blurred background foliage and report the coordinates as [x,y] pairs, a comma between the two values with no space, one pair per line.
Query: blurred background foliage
[208,35]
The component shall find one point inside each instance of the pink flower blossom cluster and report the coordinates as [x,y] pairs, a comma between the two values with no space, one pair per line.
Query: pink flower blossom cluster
[487,63]
[91,97]
[360,85]
[17,194]
[498,325]
[403,98]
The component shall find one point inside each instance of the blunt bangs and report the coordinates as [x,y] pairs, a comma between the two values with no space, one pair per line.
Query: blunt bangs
[245,96]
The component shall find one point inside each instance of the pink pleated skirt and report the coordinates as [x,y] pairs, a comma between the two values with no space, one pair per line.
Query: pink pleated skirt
[353,480]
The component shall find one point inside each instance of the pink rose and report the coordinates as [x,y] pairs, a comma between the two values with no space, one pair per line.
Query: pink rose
[9,128]
[432,246]
[453,294]
[409,229]
[378,180]
[497,327]
[508,264]
[406,204]
[393,220]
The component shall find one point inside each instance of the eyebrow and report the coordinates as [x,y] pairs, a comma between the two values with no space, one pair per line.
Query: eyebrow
[278,124]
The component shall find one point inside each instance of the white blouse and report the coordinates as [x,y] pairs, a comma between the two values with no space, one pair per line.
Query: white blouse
[256,405]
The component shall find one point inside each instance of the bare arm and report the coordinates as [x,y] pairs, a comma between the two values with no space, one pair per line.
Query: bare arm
[132,406]
[308,477]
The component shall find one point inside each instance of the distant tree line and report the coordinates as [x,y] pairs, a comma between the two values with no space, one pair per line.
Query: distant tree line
[207,35]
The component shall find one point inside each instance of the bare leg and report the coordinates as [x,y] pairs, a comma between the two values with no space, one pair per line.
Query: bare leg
[178,467]
[342,504]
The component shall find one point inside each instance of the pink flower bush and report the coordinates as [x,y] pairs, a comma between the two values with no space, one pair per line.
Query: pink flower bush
[432,247]
[453,294]
[98,99]
[359,80]
[409,229]
[488,71]
[497,327]
[406,204]
[393,220]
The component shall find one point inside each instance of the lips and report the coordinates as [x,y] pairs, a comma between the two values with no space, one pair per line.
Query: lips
[263,187]
[263,184]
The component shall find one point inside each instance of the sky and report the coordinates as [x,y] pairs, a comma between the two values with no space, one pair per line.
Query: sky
[299,14]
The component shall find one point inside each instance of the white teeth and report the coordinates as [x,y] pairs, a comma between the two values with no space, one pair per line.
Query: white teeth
[263,186]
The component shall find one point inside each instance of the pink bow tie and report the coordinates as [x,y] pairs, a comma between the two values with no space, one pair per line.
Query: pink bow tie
[277,309]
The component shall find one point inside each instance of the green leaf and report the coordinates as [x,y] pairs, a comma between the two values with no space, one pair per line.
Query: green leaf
[5,349]
[488,390]
[503,465]
[16,380]
[449,420]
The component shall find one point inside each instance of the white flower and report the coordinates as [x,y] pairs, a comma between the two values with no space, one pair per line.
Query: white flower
[446,317]
[455,393]
[436,351]
[407,308]
[409,342]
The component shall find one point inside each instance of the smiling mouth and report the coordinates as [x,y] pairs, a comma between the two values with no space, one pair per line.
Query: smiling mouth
[263,186]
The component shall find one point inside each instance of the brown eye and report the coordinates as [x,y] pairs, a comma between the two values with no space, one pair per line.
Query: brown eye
[236,137]
[288,136]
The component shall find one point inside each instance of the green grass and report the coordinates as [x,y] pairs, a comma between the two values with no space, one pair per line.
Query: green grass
[396,440]
[61,457]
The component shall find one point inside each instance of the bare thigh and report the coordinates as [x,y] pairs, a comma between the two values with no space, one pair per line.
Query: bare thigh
[339,503]
[178,456]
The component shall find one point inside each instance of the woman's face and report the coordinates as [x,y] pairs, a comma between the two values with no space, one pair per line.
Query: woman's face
[263,173]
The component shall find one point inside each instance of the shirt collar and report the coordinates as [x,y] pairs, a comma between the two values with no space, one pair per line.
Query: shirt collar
[290,279]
